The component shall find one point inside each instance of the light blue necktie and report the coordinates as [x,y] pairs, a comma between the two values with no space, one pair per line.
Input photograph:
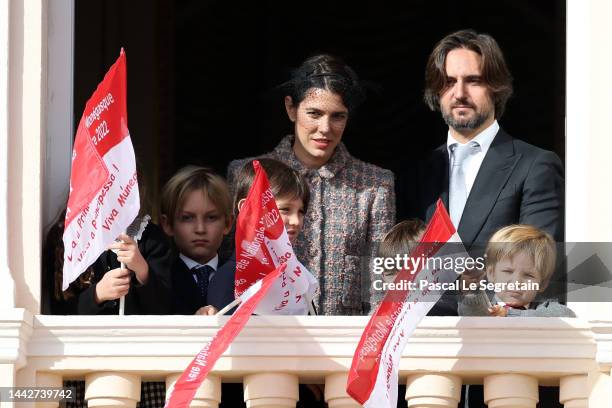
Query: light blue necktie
[458,193]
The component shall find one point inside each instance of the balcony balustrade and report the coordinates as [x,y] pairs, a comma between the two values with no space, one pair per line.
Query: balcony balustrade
[273,355]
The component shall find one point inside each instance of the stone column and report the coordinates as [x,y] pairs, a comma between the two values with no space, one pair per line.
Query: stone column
[7,379]
[271,390]
[112,390]
[510,391]
[207,396]
[48,380]
[7,375]
[7,298]
[433,390]
[574,391]
[335,392]
[600,389]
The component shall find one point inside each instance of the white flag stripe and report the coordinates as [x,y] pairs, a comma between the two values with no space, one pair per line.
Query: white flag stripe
[289,285]
[413,309]
[254,288]
[114,207]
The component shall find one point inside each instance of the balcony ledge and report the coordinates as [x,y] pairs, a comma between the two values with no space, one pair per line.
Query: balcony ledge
[471,347]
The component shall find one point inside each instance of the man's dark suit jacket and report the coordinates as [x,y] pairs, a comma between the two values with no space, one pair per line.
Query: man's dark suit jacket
[517,183]
[186,294]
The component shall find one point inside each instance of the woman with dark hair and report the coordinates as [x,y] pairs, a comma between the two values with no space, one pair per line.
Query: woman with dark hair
[352,203]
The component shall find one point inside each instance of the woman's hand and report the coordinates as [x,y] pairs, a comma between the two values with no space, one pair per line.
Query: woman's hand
[498,311]
[114,284]
[129,254]
[207,311]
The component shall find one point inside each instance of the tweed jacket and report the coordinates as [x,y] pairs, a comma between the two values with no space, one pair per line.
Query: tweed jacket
[352,206]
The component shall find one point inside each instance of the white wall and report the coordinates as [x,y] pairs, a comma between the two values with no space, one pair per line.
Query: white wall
[7,297]
[589,138]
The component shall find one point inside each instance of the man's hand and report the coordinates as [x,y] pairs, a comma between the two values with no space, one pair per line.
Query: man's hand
[207,311]
[128,253]
[498,311]
[114,284]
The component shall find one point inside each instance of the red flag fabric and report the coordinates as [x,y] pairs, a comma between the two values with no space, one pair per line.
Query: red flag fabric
[104,197]
[188,383]
[374,371]
[262,244]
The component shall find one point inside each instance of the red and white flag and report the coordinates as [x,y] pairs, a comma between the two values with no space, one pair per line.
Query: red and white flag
[104,197]
[373,375]
[181,395]
[262,244]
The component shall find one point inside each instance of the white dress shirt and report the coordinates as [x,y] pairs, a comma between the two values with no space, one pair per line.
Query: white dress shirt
[472,163]
[213,263]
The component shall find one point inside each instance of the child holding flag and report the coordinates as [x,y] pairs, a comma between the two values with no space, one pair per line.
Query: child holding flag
[144,281]
[98,289]
[290,190]
[105,211]
[291,197]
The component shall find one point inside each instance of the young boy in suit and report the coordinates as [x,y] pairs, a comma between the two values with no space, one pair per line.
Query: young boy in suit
[196,213]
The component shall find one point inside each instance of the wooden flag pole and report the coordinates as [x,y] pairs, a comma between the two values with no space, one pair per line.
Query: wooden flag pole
[227,308]
[122,299]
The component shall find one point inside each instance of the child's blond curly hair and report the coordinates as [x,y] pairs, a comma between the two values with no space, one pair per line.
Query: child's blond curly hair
[520,238]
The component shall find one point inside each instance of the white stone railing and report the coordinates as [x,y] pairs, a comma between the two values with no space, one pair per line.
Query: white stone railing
[510,356]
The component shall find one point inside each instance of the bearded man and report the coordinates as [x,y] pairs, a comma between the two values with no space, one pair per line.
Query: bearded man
[486,178]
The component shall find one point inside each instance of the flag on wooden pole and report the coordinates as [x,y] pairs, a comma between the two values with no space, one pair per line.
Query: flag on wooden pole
[181,395]
[104,197]
[373,376]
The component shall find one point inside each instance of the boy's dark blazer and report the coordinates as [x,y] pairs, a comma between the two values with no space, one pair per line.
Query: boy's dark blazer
[516,183]
[154,297]
[221,287]
[186,294]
